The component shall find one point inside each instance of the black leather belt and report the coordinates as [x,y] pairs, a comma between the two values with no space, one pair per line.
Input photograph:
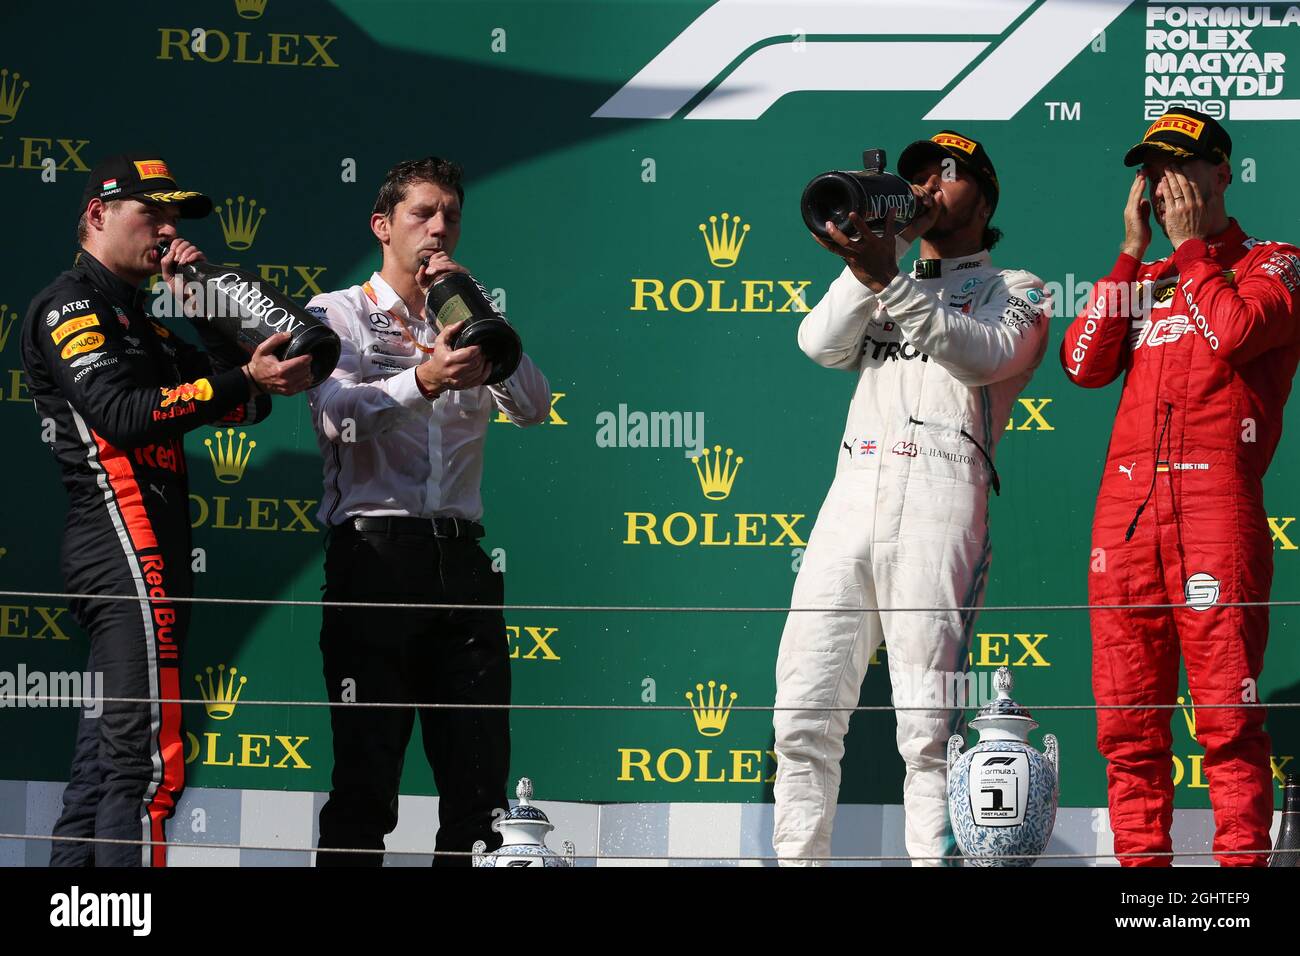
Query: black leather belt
[436,527]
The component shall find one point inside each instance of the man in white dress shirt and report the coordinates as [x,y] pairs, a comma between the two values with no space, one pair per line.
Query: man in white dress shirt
[401,425]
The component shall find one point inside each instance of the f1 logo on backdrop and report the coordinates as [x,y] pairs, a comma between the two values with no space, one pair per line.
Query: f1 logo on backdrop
[765,40]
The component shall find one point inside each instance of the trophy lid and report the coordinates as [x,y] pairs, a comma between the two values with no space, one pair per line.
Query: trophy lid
[524,813]
[1003,708]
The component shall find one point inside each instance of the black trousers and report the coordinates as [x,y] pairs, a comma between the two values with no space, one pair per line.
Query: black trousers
[413,656]
[128,765]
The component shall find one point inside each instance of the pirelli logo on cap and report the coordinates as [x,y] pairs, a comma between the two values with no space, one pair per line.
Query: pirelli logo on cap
[958,142]
[73,326]
[82,343]
[1182,124]
[152,169]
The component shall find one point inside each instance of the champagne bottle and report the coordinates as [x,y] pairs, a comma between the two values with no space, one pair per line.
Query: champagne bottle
[1286,852]
[458,296]
[247,310]
[870,192]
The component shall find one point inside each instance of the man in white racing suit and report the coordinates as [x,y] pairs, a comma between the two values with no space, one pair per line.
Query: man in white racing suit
[941,356]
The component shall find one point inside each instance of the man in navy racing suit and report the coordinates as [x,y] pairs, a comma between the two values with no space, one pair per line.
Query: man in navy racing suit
[115,390]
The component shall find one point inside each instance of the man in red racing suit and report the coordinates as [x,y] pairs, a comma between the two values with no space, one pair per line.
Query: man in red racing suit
[1207,342]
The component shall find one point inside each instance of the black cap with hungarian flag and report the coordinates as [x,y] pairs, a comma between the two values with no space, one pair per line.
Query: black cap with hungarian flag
[945,144]
[1184,134]
[142,176]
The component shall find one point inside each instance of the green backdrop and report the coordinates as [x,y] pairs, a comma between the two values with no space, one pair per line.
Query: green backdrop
[578,217]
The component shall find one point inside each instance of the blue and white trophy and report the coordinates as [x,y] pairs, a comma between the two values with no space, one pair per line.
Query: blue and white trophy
[1002,793]
[523,831]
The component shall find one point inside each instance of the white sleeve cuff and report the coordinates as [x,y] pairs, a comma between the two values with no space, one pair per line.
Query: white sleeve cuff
[403,389]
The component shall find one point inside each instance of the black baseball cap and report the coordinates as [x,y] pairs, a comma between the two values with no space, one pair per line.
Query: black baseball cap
[968,153]
[146,177]
[1185,134]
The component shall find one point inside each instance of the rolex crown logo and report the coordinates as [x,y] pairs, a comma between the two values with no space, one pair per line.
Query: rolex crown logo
[221,695]
[712,710]
[250,9]
[11,95]
[716,474]
[723,244]
[228,459]
[238,224]
[1189,713]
